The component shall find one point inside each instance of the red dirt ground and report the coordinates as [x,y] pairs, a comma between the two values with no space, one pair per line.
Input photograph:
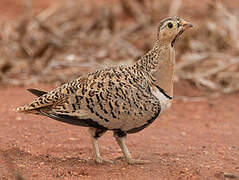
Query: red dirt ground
[192,140]
[195,140]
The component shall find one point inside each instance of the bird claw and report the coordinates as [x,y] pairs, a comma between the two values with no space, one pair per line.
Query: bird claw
[101,160]
[137,161]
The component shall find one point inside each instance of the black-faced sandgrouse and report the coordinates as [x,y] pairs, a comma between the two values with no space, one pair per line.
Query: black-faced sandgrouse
[123,99]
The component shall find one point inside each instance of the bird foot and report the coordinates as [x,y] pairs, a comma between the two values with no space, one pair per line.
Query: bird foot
[137,161]
[101,160]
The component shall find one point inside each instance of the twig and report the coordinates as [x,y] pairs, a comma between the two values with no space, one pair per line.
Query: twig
[191,99]
[230,175]
[175,7]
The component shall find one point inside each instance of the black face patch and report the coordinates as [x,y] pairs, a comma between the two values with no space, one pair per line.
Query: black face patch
[176,37]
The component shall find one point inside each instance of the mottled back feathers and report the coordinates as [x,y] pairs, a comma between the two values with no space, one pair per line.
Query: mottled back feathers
[114,98]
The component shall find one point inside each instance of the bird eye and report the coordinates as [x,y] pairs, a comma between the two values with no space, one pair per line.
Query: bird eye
[170,25]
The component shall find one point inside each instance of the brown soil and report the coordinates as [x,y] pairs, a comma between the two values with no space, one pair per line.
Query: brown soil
[191,140]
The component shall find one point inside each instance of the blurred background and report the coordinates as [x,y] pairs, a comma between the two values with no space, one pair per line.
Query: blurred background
[44,43]
[55,41]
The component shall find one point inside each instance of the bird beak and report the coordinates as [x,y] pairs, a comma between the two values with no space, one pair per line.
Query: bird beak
[186,25]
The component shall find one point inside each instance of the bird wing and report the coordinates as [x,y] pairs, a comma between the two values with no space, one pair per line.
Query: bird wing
[110,98]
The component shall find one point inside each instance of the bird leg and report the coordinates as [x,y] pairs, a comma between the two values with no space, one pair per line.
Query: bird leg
[95,134]
[120,138]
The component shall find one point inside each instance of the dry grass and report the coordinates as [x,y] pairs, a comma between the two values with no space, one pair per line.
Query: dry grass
[65,41]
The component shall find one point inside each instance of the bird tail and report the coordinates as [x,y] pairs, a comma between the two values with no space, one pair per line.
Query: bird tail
[27,109]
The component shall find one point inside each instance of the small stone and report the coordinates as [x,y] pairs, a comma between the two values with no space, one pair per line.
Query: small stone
[21,165]
[101,54]
[74,173]
[71,57]
[73,139]
[19,118]
[183,133]
[206,152]
[35,175]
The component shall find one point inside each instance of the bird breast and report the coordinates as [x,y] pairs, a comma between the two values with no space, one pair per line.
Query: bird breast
[165,102]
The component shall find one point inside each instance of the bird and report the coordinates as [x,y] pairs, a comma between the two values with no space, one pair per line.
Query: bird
[124,99]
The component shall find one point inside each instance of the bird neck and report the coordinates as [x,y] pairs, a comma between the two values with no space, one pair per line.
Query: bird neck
[158,64]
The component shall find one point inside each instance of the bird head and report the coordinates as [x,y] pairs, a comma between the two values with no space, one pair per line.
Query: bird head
[171,28]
